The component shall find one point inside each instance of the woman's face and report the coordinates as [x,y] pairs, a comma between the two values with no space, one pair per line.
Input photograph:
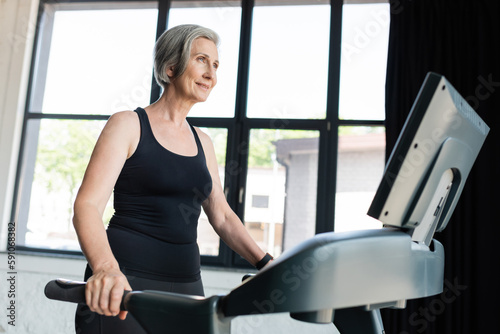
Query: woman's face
[200,76]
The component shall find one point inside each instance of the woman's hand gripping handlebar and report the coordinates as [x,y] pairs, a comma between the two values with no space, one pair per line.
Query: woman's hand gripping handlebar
[72,291]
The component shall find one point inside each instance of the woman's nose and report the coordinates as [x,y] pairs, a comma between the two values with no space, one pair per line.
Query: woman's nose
[210,73]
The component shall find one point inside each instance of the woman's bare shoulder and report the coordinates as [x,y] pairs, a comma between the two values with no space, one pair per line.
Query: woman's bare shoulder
[124,122]
[127,117]
[122,130]
[205,139]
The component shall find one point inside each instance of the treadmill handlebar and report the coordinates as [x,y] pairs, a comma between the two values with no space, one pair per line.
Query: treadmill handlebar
[71,291]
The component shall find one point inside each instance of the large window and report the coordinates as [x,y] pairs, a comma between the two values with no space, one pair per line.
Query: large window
[297,117]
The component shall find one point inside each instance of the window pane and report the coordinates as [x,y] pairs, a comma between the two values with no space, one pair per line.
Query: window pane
[208,240]
[224,17]
[96,61]
[289,61]
[281,187]
[365,40]
[359,170]
[56,156]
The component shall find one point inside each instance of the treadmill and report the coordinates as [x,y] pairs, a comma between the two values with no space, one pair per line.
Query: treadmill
[347,277]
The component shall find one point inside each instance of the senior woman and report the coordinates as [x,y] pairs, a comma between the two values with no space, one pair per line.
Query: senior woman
[162,171]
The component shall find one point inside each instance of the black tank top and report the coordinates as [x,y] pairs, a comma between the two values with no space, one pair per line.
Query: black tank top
[157,201]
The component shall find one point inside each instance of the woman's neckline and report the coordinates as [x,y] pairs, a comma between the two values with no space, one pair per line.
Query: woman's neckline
[168,150]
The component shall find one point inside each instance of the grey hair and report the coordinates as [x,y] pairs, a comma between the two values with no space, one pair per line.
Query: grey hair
[173,49]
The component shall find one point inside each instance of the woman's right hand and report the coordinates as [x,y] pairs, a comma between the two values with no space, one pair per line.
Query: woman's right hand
[104,291]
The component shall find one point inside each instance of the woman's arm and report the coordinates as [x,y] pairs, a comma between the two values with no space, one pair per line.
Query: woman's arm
[223,219]
[115,144]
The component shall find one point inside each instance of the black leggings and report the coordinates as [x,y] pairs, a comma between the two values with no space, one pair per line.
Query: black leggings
[88,322]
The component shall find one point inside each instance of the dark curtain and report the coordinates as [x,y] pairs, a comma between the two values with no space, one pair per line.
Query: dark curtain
[461,40]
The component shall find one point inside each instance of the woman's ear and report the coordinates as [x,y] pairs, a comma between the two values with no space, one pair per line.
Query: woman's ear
[170,72]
